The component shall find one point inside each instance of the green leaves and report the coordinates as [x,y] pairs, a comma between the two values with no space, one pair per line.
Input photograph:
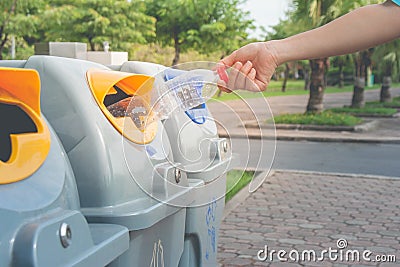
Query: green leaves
[206,25]
[117,21]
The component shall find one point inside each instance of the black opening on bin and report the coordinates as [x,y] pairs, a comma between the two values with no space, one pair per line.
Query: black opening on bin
[13,120]
[114,98]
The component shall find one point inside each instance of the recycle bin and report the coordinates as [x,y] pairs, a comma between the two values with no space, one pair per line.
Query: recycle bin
[205,158]
[124,174]
[41,223]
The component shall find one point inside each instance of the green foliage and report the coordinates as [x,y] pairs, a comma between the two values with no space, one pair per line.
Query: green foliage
[18,18]
[207,26]
[387,60]
[293,88]
[323,118]
[235,181]
[119,22]
[368,110]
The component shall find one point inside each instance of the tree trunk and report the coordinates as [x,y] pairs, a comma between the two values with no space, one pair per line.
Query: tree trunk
[306,79]
[2,45]
[341,76]
[358,93]
[91,44]
[285,79]
[315,102]
[177,50]
[385,90]
[362,63]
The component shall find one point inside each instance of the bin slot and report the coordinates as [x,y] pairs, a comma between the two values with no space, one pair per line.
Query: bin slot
[114,96]
[124,99]
[13,120]
[24,136]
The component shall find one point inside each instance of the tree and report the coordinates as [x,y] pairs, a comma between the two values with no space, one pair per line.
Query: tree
[206,25]
[311,14]
[362,62]
[341,62]
[119,22]
[388,58]
[18,18]
[280,31]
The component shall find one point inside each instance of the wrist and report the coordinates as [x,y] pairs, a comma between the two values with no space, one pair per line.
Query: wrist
[278,50]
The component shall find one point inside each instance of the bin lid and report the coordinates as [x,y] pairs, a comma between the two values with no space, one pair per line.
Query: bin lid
[24,135]
[132,114]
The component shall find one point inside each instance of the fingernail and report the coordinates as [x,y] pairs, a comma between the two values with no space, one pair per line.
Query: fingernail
[238,64]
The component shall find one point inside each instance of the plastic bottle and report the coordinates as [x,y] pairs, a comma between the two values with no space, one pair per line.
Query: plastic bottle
[184,90]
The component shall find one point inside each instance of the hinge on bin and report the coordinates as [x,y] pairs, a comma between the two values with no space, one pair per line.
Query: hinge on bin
[219,149]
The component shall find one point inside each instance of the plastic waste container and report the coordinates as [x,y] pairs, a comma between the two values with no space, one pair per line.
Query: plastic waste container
[125,175]
[40,219]
[205,158]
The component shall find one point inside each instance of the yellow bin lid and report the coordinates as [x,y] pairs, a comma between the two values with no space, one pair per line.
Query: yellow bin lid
[21,88]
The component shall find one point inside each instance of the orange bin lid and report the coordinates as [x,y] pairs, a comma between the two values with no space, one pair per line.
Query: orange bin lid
[102,82]
[21,87]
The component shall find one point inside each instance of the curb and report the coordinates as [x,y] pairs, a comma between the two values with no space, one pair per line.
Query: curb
[279,137]
[364,127]
[361,115]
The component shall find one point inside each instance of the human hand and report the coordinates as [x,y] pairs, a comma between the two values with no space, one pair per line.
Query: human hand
[252,67]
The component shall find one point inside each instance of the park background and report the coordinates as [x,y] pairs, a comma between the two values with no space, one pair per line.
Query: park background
[170,32]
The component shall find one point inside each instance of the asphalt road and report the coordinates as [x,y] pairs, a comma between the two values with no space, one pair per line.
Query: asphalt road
[357,158]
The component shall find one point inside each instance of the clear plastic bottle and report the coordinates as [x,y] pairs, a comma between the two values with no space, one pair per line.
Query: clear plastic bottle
[182,90]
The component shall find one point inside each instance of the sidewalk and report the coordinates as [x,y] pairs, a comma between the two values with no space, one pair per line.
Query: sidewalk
[231,114]
[312,211]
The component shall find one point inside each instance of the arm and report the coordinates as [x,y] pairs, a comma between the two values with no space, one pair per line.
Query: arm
[360,29]
[254,64]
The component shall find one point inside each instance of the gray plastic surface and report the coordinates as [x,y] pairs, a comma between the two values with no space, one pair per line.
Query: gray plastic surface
[12,63]
[146,68]
[196,148]
[117,179]
[110,170]
[33,209]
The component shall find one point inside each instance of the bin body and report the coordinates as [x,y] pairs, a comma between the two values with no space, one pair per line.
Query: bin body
[117,180]
[196,146]
[34,207]
[197,143]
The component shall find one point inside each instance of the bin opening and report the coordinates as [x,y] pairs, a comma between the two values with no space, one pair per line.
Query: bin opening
[13,120]
[24,135]
[125,99]
[114,97]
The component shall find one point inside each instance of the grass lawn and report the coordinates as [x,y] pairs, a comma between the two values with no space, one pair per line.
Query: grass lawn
[367,110]
[394,104]
[294,87]
[324,118]
[235,181]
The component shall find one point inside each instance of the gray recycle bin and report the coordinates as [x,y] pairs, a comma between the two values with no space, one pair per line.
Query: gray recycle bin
[119,180]
[206,159]
[40,219]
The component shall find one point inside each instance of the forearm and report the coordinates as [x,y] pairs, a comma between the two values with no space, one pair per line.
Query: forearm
[361,29]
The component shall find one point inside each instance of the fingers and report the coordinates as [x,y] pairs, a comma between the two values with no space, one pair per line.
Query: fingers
[233,75]
[229,60]
[242,76]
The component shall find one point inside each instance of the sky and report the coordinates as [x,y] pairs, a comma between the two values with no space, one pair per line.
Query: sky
[266,12]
